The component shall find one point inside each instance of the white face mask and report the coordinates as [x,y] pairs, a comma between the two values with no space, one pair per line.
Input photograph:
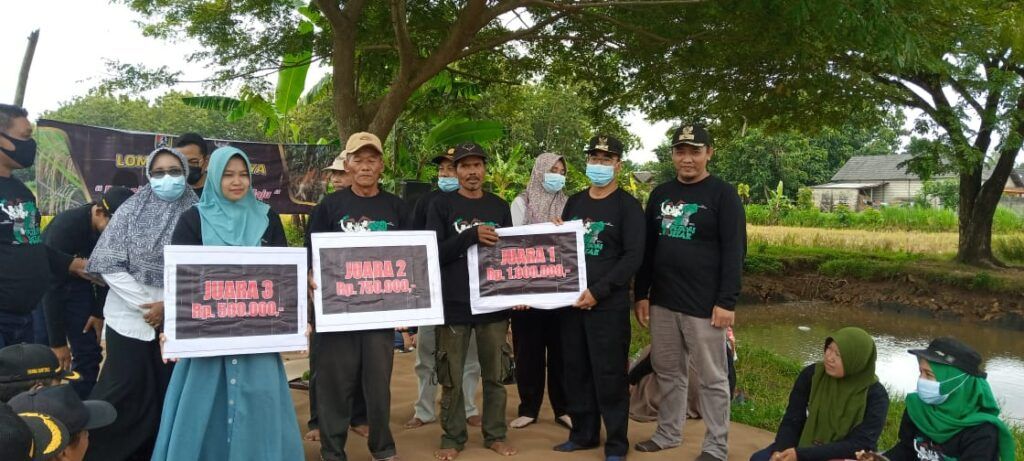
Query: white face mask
[168,188]
[930,391]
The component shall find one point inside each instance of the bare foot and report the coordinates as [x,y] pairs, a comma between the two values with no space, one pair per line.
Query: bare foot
[362,430]
[475,421]
[446,454]
[312,436]
[503,449]
[414,423]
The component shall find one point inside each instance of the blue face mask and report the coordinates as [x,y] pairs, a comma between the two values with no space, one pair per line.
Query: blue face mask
[448,184]
[168,188]
[553,182]
[930,391]
[600,175]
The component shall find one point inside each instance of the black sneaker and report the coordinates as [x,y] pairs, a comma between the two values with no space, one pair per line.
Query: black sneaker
[647,446]
[705,456]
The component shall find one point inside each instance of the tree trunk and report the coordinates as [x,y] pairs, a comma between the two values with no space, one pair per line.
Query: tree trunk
[975,243]
[26,64]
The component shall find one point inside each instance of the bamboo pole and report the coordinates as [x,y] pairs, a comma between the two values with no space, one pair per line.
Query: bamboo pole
[26,64]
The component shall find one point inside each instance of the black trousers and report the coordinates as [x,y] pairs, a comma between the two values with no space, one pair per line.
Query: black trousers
[358,402]
[596,351]
[538,354]
[134,380]
[344,362]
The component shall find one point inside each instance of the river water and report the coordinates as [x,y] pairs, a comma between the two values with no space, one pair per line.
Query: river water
[798,330]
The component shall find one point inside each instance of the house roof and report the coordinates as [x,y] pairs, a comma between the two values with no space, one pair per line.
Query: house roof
[873,168]
[850,185]
[878,168]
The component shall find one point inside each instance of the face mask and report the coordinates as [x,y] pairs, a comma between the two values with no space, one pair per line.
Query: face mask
[448,184]
[553,182]
[24,151]
[194,173]
[930,391]
[600,175]
[168,188]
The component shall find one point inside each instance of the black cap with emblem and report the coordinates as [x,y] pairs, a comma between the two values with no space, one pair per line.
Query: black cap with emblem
[28,362]
[605,144]
[950,351]
[448,155]
[469,149]
[694,135]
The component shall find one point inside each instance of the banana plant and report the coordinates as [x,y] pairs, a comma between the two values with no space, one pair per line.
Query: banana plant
[288,94]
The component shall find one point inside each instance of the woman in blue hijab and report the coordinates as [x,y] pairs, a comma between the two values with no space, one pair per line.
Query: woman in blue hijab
[231,408]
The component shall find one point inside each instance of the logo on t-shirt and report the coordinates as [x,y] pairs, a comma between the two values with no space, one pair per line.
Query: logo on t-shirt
[461,224]
[675,219]
[592,245]
[928,451]
[22,218]
[362,224]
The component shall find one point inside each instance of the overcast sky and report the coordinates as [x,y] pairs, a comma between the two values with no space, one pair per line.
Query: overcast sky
[78,36]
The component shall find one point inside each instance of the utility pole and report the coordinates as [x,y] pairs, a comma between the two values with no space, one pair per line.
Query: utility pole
[26,64]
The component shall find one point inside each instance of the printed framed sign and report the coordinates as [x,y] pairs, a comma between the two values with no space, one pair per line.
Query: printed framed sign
[233,300]
[540,265]
[374,280]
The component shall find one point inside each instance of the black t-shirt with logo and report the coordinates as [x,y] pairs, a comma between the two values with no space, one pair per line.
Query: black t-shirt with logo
[977,443]
[454,218]
[613,243]
[24,259]
[696,242]
[344,211]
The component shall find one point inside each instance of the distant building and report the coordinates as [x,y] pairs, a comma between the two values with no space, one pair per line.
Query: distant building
[867,181]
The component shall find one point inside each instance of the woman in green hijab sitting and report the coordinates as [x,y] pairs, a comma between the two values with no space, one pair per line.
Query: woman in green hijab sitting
[837,406]
[953,415]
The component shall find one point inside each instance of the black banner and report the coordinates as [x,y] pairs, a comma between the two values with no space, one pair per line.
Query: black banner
[223,301]
[374,279]
[289,177]
[529,265]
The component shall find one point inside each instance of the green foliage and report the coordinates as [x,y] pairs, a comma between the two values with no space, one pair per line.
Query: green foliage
[164,114]
[805,199]
[743,190]
[947,192]
[1010,247]
[910,219]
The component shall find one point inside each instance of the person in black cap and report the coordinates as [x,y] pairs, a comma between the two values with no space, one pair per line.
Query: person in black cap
[953,414]
[595,331]
[72,310]
[30,436]
[689,282]
[29,366]
[424,410]
[64,405]
[193,146]
[461,220]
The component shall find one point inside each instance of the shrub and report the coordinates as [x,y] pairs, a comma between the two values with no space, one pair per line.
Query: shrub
[1010,248]
[805,199]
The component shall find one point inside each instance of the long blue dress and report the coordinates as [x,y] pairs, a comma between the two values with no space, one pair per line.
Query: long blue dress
[230,408]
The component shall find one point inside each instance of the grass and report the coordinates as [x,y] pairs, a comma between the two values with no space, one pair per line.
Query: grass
[933,243]
[907,219]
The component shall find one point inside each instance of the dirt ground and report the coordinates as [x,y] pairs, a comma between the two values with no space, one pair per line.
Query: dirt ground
[534,442]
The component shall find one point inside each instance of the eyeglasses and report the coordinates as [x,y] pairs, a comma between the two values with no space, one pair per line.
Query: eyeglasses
[173,172]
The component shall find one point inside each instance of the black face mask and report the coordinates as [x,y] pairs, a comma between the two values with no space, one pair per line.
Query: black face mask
[194,173]
[24,152]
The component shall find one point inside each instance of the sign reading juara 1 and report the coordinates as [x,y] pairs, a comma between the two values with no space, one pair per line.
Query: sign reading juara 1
[541,265]
[233,300]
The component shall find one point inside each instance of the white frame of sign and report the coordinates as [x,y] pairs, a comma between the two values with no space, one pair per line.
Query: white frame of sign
[359,321]
[488,304]
[228,256]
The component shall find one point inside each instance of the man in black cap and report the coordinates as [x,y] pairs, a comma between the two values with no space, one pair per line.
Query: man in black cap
[346,359]
[72,310]
[193,146]
[29,366]
[64,405]
[424,410]
[30,436]
[687,289]
[461,220]
[595,331]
